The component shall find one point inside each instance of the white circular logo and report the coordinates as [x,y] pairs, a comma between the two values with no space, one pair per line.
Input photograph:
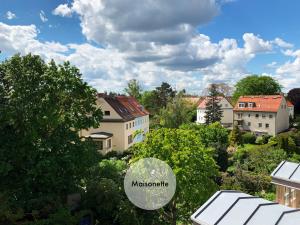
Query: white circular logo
[150,183]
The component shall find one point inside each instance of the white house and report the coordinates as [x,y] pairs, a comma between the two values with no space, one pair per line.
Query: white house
[227,108]
[291,108]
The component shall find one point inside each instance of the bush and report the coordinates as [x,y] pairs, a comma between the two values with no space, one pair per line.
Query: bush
[259,140]
[248,138]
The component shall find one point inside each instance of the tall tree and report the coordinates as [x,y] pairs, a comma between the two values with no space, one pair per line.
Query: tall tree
[294,97]
[235,136]
[164,94]
[256,85]
[223,88]
[213,111]
[193,165]
[43,108]
[134,89]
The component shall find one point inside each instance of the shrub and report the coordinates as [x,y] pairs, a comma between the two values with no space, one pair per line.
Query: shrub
[248,138]
[259,140]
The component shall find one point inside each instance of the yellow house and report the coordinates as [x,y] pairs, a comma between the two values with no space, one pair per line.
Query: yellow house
[123,117]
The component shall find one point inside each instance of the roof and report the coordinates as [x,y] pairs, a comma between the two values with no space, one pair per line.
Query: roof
[203,102]
[100,135]
[287,174]
[237,208]
[289,103]
[262,103]
[133,106]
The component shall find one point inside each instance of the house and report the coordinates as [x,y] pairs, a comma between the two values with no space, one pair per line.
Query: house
[227,108]
[124,123]
[286,177]
[266,114]
[291,108]
[237,208]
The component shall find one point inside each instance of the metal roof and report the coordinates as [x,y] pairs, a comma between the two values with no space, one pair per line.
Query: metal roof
[287,174]
[237,208]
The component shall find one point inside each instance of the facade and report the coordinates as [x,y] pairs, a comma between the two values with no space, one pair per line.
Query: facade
[267,114]
[227,108]
[286,177]
[291,108]
[123,118]
[237,208]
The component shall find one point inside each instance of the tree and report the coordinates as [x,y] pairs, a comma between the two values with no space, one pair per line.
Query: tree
[256,85]
[223,88]
[134,89]
[294,97]
[235,136]
[43,108]
[176,113]
[213,111]
[149,101]
[164,94]
[192,164]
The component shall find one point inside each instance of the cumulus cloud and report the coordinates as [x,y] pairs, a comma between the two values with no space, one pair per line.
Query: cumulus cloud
[43,17]
[254,44]
[283,44]
[10,15]
[62,10]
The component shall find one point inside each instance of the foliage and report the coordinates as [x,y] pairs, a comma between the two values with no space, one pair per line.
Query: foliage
[176,113]
[134,89]
[164,94]
[294,97]
[213,111]
[43,108]
[192,164]
[223,88]
[256,85]
[235,136]
[248,138]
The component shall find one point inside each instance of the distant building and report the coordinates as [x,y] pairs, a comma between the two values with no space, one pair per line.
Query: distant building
[286,177]
[267,114]
[191,99]
[237,208]
[291,108]
[124,123]
[226,107]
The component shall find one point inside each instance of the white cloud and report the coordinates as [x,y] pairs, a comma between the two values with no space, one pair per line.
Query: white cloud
[62,10]
[43,17]
[283,44]
[254,44]
[10,15]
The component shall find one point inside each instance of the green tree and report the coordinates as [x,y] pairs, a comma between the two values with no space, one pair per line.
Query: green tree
[149,101]
[235,136]
[164,94]
[213,111]
[134,89]
[256,85]
[43,108]
[192,164]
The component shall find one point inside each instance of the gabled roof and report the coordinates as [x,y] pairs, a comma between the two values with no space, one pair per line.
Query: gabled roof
[287,174]
[289,103]
[133,106]
[237,208]
[262,103]
[203,102]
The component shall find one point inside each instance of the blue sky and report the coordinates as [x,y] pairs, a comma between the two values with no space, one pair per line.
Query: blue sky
[187,43]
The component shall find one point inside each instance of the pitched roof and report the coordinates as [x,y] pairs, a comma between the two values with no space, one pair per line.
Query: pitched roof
[203,102]
[237,208]
[288,174]
[289,103]
[133,106]
[262,103]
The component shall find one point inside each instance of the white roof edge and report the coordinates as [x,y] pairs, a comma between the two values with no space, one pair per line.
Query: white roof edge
[277,168]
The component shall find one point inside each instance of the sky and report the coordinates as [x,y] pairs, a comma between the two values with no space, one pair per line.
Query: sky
[188,44]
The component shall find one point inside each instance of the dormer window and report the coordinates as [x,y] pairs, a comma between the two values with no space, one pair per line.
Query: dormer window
[250,104]
[241,105]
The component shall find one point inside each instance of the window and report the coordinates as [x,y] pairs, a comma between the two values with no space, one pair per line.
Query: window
[130,140]
[267,125]
[256,115]
[127,126]
[241,105]
[240,123]
[109,143]
[133,124]
[270,116]
[250,104]
[259,124]
[99,145]
[240,115]
[249,124]
[107,113]
[249,115]
[263,115]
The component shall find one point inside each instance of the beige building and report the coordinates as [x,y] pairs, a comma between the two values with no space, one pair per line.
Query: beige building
[124,123]
[267,114]
[227,111]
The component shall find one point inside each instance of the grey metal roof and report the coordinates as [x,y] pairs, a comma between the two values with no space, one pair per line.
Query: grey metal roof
[237,208]
[287,173]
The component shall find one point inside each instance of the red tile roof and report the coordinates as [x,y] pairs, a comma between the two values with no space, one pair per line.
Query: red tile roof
[262,103]
[289,104]
[133,106]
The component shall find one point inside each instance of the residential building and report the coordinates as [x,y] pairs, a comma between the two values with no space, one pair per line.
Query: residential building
[237,208]
[226,107]
[262,114]
[291,108]
[286,177]
[124,120]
